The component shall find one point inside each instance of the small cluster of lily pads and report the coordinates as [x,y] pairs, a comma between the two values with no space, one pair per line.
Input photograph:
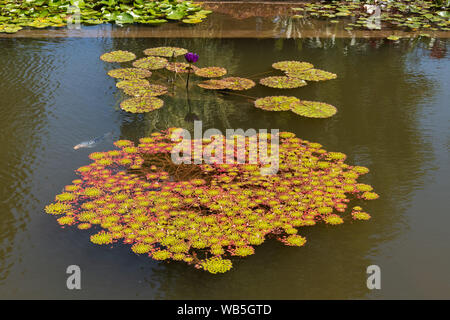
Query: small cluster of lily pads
[133,80]
[410,14]
[14,15]
[310,109]
[297,73]
[204,213]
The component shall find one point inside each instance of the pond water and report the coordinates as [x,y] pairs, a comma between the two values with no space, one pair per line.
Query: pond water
[393,117]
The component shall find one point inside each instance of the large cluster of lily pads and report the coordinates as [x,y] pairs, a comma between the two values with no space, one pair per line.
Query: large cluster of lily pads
[14,15]
[134,82]
[408,14]
[203,214]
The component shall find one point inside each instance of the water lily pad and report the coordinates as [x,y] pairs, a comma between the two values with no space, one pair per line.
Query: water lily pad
[165,51]
[236,83]
[210,72]
[276,103]
[445,14]
[313,109]
[133,83]
[154,21]
[129,73]
[292,65]
[118,56]
[175,15]
[39,24]
[124,18]
[180,67]
[342,14]
[141,104]
[282,82]
[313,75]
[9,28]
[151,63]
[192,20]
[393,38]
[213,84]
[151,90]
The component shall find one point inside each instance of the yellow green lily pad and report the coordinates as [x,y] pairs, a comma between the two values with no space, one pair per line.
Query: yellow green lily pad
[237,83]
[211,72]
[292,66]
[312,75]
[141,104]
[393,38]
[129,73]
[118,56]
[276,103]
[133,83]
[151,90]
[313,109]
[151,63]
[165,51]
[213,85]
[282,82]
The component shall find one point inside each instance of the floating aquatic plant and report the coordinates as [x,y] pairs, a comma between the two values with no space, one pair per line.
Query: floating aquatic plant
[295,240]
[213,85]
[180,67]
[312,75]
[358,214]
[58,13]
[151,63]
[141,104]
[276,103]
[208,213]
[151,90]
[118,56]
[297,71]
[313,109]
[191,20]
[132,84]
[230,83]
[9,28]
[129,73]
[393,38]
[282,82]
[292,66]
[211,72]
[167,52]
[410,15]
[238,83]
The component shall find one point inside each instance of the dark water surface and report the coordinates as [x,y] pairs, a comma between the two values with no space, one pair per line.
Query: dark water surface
[393,102]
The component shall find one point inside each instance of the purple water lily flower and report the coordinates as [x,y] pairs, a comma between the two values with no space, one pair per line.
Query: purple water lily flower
[191,57]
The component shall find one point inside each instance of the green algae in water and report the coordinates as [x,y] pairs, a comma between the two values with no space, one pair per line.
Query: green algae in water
[151,63]
[167,52]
